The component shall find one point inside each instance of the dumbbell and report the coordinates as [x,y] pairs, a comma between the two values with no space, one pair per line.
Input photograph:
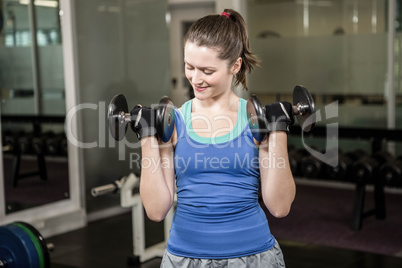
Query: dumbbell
[21,245]
[391,172]
[24,143]
[39,142]
[295,160]
[9,142]
[54,144]
[119,118]
[343,171]
[367,168]
[312,167]
[18,142]
[303,109]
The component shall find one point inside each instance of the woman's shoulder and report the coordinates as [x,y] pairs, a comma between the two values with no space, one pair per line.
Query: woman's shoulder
[184,109]
[186,105]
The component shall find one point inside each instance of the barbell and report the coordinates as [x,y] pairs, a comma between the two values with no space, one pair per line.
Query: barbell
[21,245]
[119,117]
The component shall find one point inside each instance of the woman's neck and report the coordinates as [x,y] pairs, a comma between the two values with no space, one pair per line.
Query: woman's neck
[217,104]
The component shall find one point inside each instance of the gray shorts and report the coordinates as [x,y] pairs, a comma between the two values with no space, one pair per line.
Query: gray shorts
[267,259]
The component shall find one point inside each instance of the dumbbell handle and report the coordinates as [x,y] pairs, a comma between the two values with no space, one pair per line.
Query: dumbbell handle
[300,109]
[124,117]
[128,117]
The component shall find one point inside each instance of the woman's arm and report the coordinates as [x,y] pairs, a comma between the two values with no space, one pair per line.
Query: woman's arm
[277,183]
[157,177]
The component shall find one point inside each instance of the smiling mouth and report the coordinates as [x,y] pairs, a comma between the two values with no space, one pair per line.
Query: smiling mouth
[200,88]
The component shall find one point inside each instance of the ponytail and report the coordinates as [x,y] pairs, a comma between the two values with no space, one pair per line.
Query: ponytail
[228,34]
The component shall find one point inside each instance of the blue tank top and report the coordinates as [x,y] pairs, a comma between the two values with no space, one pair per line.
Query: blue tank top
[217,215]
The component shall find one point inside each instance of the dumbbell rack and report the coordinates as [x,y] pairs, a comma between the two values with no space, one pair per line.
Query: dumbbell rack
[376,138]
[36,122]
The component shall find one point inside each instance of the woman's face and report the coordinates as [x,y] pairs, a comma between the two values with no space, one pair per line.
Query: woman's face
[209,76]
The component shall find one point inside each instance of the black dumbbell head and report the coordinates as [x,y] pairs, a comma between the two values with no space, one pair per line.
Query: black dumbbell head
[165,119]
[117,109]
[256,118]
[303,100]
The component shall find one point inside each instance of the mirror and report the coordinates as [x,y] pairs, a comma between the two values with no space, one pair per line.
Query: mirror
[32,106]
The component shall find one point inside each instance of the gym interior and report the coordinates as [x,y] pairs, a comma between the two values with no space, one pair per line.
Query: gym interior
[69,191]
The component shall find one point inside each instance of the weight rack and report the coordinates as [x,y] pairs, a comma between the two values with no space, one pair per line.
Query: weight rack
[36,122]
[376,137]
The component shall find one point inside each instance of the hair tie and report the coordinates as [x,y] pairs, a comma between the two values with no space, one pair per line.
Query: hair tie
[227,15]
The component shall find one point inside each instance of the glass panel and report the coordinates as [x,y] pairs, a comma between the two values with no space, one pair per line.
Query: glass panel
[16,76]
[336,48]
[50,56]
[32,105]
[123,47]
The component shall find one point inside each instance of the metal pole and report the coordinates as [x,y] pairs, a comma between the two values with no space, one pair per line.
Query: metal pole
[306,17]
[390,91]
[35,59]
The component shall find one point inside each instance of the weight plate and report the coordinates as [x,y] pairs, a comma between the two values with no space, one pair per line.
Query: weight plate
[305,103]
[165,119]
[116,116]
[39,242]
[363,171]
[338,172]
[256,118]
[35,243]
[311,168]
[16,248]
[391,174]
[10,247]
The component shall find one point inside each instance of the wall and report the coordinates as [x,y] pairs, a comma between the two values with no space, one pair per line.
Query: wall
[337,49]
[317,18]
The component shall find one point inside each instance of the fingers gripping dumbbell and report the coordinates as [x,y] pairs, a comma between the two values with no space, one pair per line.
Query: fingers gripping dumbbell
[303,108]
[161,122]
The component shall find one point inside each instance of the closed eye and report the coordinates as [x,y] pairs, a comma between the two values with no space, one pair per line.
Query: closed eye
[207,72]
[189,67]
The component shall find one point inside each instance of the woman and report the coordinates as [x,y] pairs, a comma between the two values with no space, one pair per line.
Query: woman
[217,164]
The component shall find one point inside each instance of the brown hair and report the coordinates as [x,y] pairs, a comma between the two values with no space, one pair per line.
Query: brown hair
[227,34]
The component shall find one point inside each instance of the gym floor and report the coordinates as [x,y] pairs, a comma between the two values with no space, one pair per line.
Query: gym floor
[108,242]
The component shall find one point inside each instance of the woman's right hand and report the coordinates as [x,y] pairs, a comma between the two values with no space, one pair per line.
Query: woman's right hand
[279,116]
